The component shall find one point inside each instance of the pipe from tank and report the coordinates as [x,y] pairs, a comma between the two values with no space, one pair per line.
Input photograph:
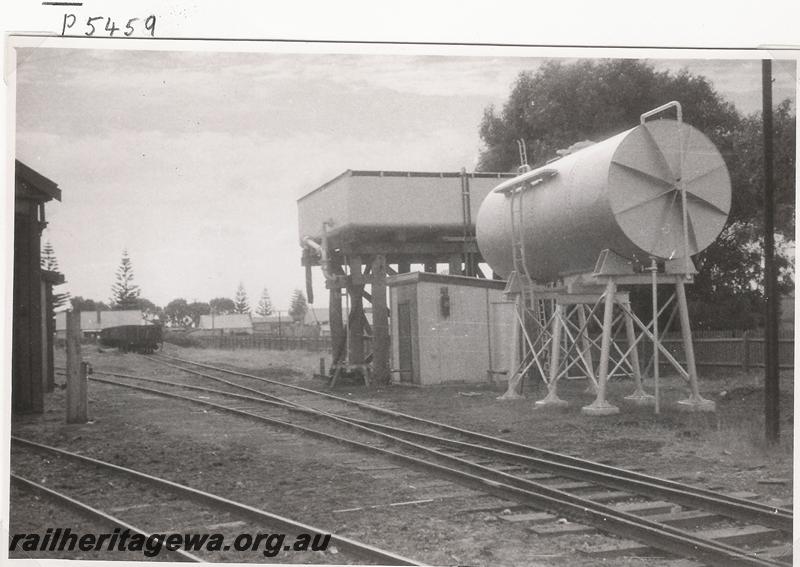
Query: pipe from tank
[309,242]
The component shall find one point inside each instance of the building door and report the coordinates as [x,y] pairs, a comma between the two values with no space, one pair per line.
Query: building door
[406,357]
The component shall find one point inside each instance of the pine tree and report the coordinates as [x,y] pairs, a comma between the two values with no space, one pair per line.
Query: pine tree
[48,258]
[49,262]
[264,304]
[124,293]
[241,304]
[298,307]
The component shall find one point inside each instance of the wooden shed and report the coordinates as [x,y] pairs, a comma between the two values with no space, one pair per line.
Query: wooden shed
[449,328]
[31,339]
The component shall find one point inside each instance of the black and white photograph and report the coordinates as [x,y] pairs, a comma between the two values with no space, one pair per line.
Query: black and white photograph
[400,304]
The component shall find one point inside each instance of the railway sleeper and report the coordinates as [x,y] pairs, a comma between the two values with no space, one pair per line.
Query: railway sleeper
[638,508]
[683,519]
[751,536]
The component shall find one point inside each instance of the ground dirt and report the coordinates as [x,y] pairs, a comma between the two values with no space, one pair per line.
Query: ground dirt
[346,492]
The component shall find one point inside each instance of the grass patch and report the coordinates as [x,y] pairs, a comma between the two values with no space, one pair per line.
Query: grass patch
[292,361]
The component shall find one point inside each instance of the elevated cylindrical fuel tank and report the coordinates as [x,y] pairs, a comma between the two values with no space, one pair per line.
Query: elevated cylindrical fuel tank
[622,194]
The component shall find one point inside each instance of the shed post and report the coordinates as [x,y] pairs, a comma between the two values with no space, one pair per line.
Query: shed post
[77,388]
[380,322]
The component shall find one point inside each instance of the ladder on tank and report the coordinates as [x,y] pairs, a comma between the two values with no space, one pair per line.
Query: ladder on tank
[530,307]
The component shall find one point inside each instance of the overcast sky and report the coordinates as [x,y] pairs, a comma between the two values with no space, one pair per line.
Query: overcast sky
[193,160]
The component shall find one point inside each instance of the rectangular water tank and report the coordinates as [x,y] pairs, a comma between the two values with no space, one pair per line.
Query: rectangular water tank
[358,203]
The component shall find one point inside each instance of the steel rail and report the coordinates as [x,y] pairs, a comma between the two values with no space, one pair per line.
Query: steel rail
[744,510]
[360,549]
[93,513]
[607,519]
[764,511]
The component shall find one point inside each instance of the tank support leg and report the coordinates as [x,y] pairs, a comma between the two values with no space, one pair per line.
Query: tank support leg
[695,402]
[552,398]
[600,406]
[586,348]
[516,372]
[639,396]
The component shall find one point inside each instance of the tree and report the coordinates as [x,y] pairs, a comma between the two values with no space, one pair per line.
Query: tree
[124,293]
[48,259]
[49,262]
[241,304]
[150,311]
[731,270]
[176,311]
[197,309]
[563,103]
[222,305]
[80,304]
[264,304]
[298,306]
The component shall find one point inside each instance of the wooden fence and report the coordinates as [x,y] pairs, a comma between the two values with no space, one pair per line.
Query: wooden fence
[263,342]
[744,351]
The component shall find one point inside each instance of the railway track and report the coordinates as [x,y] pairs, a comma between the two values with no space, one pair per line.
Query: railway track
[542,480]
[145,500]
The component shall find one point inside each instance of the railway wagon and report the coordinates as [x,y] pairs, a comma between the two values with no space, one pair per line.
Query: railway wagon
[132,338]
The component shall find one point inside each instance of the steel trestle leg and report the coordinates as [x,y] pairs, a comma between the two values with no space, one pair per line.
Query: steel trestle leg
[552,398]
[695,402]
[586,345]
[639,396]
[600,406]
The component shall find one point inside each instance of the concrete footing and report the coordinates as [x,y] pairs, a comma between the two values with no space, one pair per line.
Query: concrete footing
[697,403]
[641,398]
[600,409]
[551,400]
[510,396]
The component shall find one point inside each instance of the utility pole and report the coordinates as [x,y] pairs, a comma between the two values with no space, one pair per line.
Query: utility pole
[771,375]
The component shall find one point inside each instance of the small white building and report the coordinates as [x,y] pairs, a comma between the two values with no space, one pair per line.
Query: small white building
[92,322]
[449,328]
[232,324]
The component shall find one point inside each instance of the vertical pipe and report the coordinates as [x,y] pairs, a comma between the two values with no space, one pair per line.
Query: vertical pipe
[514,359]
[489,338]
[656,369]
[771,375]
